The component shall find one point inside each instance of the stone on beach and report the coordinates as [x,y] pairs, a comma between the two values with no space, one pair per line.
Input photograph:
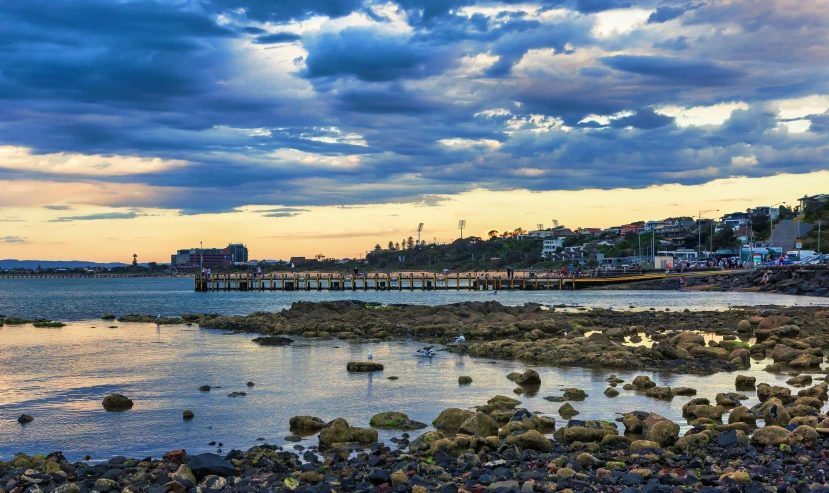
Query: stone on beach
[363,367]
[117,402]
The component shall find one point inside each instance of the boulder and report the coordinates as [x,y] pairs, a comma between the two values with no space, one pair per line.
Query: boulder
[306,423]
[744,327]
[803,434]
[529,377]
[574,394]
[395,421]
[205,464]
[339,431]
[424,442]
[643,382]
[771,435]
[742,415]
[479,425]
[806,360]
[188,415]
[363,366]
[531,440]
[513,376]
[451,419]
[643,445]
[464,380]
[586,431]
[660,430]
[567,410]
[611,392]
[205,388]
[273,341]
[744,383]
[800,381]
[116,402]
[25,418]
[776,415]
[634,421]
[785,354]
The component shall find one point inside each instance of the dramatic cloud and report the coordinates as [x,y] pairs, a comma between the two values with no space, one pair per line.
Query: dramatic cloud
[211,106]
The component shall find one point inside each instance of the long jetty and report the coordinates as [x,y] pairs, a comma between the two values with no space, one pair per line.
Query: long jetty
[403,282]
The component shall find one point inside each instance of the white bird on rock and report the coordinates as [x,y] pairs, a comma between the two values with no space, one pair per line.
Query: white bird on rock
[370,356]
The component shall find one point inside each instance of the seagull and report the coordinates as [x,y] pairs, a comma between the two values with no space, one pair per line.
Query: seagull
[460,339]
[158,318]
[370,356]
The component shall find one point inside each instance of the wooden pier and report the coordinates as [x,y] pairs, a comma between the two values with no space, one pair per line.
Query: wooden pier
[403,282]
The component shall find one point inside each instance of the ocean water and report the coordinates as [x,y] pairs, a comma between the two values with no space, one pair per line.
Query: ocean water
[60,376]
[85,299]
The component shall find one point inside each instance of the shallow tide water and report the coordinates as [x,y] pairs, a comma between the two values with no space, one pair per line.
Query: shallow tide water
[60,376]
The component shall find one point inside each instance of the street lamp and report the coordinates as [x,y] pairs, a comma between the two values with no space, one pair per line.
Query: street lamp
[699,229]
[771,218]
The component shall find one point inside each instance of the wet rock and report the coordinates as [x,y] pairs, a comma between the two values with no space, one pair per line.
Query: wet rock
[514,376]
[660,430]
[117,402]
[205,388]
[25,418]
[363,367]
[611,392]
[727,400]
[273,341]
[660,393]
[803,434]
[800,381]
[464,380]
[742,415]
[237,394]
[643,446]
[744,327]
[205,464]
[188,415]
[250,384]
[586,431]
[425,441]
[451,419]
[175,455]
[529,377]
[339,431]
[480,425]
[574,394]
[306,423]
[776,415]
[532,440]
[743,382]
[806,360]
[182,474]
[634,421]
[567,411]
[395,421]
[643,382]
[771,435]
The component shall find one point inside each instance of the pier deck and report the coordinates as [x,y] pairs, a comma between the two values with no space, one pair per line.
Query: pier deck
[403,282]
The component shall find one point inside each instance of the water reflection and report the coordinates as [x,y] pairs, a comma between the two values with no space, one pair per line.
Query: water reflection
[60,376]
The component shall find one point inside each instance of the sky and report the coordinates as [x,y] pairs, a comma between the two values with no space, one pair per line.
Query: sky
[326,126]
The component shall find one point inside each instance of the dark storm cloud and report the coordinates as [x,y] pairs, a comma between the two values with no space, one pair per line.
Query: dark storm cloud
[365,110]
[645,119]
[57,207]
[674,70]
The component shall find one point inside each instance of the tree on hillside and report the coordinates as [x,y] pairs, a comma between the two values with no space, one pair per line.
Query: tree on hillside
[397,246]
[410,242]
[378,248]
[391,245]
[320,257]
[492,234]
[518,231]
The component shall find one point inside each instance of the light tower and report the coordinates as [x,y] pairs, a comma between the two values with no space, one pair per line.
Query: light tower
[540,227]
[419,230]
[461,225]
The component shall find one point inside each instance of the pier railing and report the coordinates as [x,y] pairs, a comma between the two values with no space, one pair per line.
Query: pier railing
[401,282]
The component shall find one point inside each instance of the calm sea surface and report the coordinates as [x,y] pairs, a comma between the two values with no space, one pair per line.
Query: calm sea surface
[84,299]
[60,376]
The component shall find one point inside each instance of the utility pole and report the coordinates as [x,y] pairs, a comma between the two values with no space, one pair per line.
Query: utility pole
[818,236]
[699,230]
[201,255]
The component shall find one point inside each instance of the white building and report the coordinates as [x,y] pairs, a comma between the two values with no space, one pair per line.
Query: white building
[551,245]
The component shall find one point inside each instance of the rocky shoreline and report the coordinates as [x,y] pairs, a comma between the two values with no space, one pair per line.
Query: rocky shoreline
[498,447]
[795,280]
[667,341]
